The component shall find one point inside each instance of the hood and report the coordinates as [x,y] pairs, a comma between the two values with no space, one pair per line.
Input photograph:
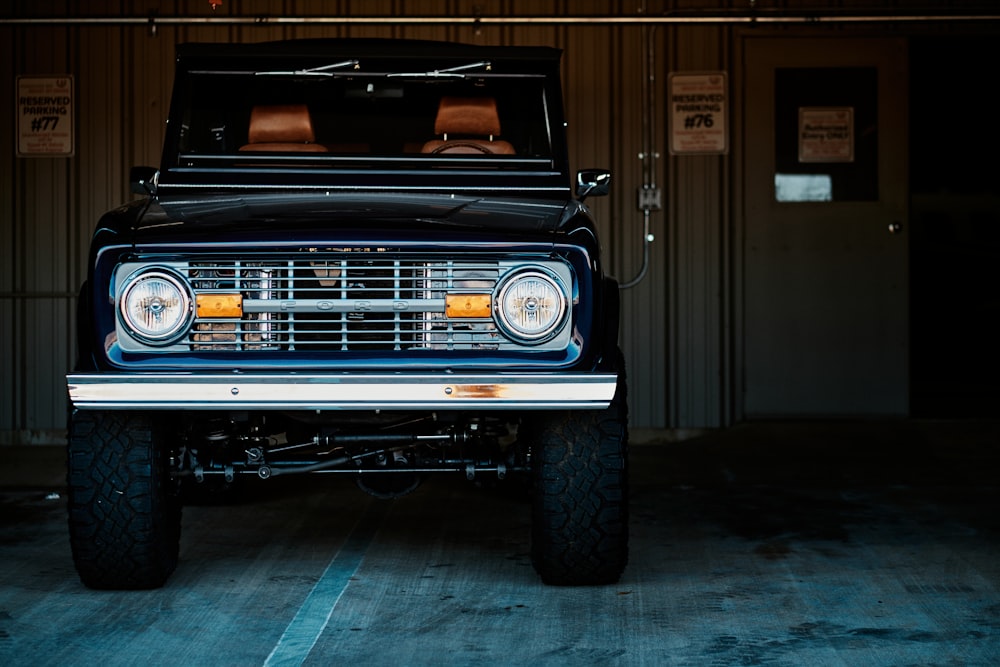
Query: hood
[284,214]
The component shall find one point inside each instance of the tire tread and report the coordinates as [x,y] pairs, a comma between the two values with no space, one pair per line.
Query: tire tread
[124,517]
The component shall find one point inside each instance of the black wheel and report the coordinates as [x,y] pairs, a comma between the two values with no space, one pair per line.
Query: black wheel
[580,494]
[124,513]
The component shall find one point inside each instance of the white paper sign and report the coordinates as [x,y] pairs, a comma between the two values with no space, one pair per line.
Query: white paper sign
[698,113]
[826,135]
[44,116]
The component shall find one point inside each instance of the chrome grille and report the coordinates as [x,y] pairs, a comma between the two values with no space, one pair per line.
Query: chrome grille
[353,302]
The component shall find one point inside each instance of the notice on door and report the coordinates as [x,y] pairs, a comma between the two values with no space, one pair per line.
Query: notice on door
[44,116]
[826,135]
[698,113]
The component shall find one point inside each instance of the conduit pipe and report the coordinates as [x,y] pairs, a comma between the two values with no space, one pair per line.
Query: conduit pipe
[649,154]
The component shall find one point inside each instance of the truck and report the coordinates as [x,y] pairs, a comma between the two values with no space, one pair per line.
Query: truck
[358,257]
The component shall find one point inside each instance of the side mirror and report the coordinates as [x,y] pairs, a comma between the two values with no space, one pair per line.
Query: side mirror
[142,180]
[596,182]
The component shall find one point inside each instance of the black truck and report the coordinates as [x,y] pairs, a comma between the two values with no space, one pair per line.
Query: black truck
[364,257]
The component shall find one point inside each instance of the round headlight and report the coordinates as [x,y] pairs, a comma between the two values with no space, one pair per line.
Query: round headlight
[155,306]
[530,306]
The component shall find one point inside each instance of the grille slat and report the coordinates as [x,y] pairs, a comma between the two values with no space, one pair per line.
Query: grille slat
[352,303]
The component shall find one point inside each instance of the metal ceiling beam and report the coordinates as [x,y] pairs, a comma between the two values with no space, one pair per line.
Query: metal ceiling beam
[745,18]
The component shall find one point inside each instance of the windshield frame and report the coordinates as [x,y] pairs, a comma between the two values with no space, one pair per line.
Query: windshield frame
[513,65]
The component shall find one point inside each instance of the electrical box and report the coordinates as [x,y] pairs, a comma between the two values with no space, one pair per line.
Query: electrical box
[649,198]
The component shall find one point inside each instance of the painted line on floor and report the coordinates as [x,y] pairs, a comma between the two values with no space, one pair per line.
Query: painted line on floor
[313,616]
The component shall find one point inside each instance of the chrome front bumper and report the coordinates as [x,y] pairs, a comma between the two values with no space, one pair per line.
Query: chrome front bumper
[340,391]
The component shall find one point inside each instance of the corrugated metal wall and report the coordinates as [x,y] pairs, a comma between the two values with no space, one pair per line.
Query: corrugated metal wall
[675,321]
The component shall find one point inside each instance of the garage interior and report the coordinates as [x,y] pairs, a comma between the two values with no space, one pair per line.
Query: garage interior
[846,530]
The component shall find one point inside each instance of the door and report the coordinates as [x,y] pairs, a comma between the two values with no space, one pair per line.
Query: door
[825,252]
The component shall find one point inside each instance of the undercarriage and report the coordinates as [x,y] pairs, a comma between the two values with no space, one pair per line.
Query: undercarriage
[388,455]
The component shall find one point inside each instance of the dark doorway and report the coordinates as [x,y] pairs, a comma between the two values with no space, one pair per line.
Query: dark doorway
[955,229]
[825,269]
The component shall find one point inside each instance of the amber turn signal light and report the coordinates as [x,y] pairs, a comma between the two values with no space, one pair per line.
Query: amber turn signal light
[219,305]
[467,305]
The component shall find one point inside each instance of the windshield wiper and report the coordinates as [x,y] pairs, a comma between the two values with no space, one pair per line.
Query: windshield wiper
[325,70]
[453,72]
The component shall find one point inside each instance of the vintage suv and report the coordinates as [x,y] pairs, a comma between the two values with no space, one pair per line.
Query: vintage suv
[360,257]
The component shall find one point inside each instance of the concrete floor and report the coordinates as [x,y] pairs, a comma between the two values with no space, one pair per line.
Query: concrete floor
[874,543]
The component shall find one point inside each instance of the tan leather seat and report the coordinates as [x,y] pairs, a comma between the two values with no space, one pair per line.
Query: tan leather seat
[472,122]
[285,128]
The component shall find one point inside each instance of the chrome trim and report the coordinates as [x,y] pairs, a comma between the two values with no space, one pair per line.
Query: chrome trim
[180,328]
[511,329]
[341,391]
[297,305]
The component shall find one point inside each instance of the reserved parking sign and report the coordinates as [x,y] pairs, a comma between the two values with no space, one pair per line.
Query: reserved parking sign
[45,116]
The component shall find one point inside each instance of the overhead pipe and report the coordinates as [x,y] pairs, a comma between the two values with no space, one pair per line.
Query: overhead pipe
[701,18]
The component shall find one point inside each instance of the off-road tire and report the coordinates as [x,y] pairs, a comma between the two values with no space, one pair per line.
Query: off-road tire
[124,513]
[580,494]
